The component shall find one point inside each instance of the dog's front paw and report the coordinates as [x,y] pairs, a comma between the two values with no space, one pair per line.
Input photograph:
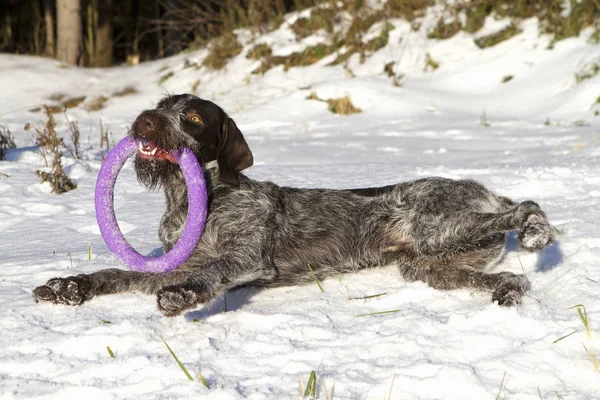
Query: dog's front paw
[173,300]
[72,291]
[536,233]
[510,290]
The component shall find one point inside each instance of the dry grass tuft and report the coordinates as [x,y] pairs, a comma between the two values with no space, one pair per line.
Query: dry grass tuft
[50,143]
[388,69]
[261,50]
[320,18]
[343,106]
[195,86]
[165,77]
[104,143]
[73,102]
[126,91]
[57,96]
[430,63]
[445,30]
[51,109]
[588,72]
[498,37]
[409,9]
[380,41]
[308,56]
[593,358]
[223,48]
[96,104]
[74,135]
[476,14]
[313,96]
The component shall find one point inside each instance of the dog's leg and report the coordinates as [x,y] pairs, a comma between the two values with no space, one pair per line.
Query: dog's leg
[74,290]
[447,273]
[208,281]
[475,230]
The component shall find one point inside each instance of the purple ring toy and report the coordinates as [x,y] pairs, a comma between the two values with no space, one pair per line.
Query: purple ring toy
[107,221]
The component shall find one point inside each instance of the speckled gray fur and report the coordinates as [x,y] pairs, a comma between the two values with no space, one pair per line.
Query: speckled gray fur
[440,231]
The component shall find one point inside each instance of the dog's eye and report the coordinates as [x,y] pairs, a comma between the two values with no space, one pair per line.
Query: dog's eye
[196,119]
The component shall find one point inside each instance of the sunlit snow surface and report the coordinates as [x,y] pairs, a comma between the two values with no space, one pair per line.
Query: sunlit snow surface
[454,345]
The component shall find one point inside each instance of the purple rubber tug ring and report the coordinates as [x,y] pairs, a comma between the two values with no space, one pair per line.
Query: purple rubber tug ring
[107,221]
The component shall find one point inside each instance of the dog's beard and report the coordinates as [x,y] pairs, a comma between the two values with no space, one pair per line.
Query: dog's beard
[154,173]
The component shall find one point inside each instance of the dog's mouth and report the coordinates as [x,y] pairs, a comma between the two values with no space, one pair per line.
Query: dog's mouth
[150,151]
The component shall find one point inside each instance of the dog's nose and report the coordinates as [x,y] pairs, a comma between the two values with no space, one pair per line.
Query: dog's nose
[146,125]
[149,122]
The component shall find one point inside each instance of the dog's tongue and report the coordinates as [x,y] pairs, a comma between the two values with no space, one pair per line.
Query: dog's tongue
[149,150]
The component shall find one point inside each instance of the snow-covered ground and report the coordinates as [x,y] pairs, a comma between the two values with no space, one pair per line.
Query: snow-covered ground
[541,144]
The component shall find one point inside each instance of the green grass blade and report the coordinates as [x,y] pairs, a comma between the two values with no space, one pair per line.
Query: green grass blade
[378,313]
[203,380]
[584,319]
[185,371]
[316,278]
[110,352]
[583,315]
[311,386]
[367,297]
[564,337]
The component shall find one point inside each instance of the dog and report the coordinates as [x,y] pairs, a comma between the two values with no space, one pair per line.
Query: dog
[440,231]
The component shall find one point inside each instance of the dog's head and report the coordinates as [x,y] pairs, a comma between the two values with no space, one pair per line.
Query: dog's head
[187,121]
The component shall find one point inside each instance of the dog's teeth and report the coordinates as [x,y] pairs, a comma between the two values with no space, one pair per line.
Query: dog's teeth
[153,152]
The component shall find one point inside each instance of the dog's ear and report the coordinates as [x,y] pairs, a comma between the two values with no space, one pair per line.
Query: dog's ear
[233,153]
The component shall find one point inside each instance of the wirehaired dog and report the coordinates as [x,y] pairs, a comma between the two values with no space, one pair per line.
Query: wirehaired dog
[440,231]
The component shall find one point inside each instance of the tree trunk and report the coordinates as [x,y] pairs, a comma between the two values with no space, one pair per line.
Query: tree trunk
[49,49]
[68,15]
[172,36]
[159,33]
[104,44]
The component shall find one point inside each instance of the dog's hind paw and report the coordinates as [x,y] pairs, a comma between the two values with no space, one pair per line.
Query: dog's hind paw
[173,300]
[71,291]
[536,233]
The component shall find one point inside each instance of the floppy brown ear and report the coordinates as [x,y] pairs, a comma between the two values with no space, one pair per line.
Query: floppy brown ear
[233,153]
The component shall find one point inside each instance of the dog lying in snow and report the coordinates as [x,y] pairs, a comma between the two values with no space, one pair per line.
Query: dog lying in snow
[440,231]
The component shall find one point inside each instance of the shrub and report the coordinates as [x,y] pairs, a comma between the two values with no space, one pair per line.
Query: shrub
[50,143]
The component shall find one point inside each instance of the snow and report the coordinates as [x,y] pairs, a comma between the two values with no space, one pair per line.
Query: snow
[542,144]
